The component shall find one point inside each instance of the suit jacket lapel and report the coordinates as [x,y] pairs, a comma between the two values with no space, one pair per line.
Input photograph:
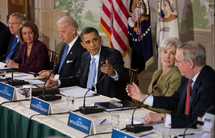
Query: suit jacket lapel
[196,85]
[31,56]
[101,62]
[73,49]
[85,68]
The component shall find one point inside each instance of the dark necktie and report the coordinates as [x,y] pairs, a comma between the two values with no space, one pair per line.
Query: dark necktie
[11,50]
[63,58]
[92,74]
[187,104]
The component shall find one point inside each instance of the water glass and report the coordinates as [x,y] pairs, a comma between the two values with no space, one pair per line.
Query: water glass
[115,116]
[70,103]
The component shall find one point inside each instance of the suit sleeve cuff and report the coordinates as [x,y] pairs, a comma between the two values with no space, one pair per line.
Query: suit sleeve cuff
[116,77]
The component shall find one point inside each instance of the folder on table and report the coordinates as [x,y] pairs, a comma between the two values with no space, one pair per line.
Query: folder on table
[116,105]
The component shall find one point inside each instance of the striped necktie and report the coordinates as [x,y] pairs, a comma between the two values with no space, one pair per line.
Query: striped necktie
[92,74]
[11,50]
[63,57]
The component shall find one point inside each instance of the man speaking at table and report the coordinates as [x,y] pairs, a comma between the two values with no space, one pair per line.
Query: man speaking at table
[95,63]
[195,94]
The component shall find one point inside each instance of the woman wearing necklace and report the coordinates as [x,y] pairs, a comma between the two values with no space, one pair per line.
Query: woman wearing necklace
[33,56]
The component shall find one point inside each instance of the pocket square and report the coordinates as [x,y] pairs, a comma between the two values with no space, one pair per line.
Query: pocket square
[69,61]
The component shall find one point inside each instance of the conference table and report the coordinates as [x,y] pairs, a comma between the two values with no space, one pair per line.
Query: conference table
[18,120]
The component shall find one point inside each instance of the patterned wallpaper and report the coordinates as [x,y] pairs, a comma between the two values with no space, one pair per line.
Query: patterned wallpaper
[85,12]
[192,14]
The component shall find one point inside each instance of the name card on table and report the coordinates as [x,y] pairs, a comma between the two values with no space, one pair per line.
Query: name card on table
[79,123]
[40,106]
[7,91]
[119,134]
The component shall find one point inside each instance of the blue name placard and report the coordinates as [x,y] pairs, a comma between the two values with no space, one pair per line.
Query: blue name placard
[39,106]
[79,123]
[119,134]
[6,91]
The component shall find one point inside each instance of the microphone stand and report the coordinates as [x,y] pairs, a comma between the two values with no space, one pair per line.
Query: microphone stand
[135,128]
[91,109]
[16,82]
[49,97]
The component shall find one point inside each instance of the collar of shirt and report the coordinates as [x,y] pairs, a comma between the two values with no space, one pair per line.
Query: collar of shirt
[17,38]
[72,43]
[194,79]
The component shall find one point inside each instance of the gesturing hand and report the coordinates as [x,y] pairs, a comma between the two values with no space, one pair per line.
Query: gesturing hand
[108,69]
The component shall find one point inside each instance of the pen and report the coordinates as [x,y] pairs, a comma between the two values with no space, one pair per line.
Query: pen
[186,134]
[146,134]
[103,121]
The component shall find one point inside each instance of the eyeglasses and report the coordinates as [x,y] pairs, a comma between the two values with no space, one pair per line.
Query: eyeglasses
[9,24]
[178,62]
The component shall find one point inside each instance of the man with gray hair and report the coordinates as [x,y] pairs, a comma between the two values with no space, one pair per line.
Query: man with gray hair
[195,94]
[71,51]
[15,20]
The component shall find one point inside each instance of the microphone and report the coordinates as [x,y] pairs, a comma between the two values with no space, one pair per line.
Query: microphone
[49,97]
[135,128]
[91,109]
[210,110]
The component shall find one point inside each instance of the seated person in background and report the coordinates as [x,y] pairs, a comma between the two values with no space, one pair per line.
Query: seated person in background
[33,56]
[70,62]
[168,78]
[4,38]
[95,63]
[15,20]
[195,94]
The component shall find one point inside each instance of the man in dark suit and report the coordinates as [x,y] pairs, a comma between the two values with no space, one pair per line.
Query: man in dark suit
[70,62]
[195,94]
[100,61]
[14,23]
[4,38]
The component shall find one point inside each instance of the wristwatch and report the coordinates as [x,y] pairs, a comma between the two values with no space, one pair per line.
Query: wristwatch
[163,116]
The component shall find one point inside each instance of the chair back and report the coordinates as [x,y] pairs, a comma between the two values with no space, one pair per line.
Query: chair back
[132,75]
[53,57]
[133,78]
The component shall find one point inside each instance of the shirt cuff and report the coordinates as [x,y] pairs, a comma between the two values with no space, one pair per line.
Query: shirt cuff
[116,77]
[59,83]
[149,101]
[56,77]
[168,121]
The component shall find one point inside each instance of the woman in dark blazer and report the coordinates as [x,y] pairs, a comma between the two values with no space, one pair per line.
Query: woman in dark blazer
[33,56]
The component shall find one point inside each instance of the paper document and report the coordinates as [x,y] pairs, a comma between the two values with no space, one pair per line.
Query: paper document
[35,82]
[137,120]
[19,74]
[76,91]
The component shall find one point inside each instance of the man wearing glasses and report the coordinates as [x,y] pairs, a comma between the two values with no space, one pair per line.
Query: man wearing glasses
[14,22]
[194,96]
